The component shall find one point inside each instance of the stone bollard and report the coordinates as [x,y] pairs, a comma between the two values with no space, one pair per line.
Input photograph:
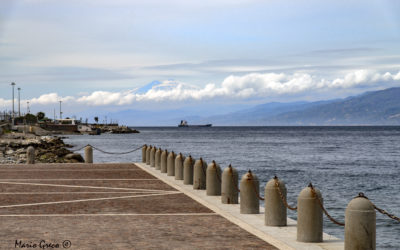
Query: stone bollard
[249,192]
[229,186]
[199,174]
[171,164]
[275,210]
[188,165]
[309,215]
[30,155]
[148,150]
[144,149]
[163,165]
[88,154]
[157,159]
[360,224]
[213,179]
[179,166]
[152,157]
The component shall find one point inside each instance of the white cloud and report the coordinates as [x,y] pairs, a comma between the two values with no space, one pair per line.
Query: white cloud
[232,87]
[100,98]
[5,103]
[50,98]
[240,87]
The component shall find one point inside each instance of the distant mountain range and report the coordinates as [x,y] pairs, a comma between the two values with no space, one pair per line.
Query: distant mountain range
[371,108]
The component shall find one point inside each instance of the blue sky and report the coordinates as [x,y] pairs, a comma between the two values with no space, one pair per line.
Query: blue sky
[95,54]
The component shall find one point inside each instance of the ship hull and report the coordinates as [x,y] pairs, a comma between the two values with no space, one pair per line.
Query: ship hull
[195,126]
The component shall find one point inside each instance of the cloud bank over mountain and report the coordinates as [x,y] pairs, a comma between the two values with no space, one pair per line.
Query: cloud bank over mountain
[252,85]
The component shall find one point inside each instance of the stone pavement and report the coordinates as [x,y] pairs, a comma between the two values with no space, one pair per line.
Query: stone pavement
[107,206]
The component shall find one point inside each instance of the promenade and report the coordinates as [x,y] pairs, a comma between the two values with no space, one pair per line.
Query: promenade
[107,206]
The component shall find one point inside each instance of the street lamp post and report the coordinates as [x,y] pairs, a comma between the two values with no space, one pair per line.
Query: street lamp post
[19,102]
[60,111]
[13,84]
[27,107]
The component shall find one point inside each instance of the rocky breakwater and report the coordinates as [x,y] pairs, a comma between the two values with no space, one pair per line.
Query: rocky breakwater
[48,149]
[118,130]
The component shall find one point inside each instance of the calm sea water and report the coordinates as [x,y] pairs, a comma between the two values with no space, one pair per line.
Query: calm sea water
[340,161]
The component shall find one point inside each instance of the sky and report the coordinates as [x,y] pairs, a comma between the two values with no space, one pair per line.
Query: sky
[101,55]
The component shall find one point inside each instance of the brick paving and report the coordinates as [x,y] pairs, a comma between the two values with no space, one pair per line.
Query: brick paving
[107,206]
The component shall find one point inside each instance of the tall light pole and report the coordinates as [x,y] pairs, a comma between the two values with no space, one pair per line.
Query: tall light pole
[27,107]
[19,102]
[60,110]
[13,84]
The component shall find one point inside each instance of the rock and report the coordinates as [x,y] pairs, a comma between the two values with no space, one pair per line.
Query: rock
[13,144]
[74,156]
[9,152]
[20,151]
[47,157]
[48,149]
[61,152]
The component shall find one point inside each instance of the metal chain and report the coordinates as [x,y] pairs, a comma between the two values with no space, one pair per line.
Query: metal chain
[75,150]
[257,193]
[322,207]
[182,160]
[202,167]
[116,153]
[105,152]
[392,216]
[233,181]
[380,210]
[281,195]
[255,190]
[217,173]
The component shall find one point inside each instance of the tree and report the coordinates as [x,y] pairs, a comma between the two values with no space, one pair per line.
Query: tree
[30,118]
[40,115]
[96,119]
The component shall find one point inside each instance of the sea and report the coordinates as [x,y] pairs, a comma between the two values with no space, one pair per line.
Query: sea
[340,161]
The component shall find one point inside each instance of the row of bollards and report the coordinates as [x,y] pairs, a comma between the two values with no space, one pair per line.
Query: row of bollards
[360,222]
[360,216]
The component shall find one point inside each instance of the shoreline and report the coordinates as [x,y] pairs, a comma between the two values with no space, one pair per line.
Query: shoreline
[48,149]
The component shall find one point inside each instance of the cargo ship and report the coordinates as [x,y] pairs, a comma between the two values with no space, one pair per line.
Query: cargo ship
[185,124]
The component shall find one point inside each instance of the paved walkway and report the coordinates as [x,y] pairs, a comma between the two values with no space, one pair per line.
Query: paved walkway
[107,206]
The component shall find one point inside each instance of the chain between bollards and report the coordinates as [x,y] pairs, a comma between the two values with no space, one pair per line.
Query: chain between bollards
[105,152]
[234,183]
[380,210]
[202,168]
[392,216]
[116,153]
[281,195]
[218,177]
[255,191]
[322,207]
[80,148]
